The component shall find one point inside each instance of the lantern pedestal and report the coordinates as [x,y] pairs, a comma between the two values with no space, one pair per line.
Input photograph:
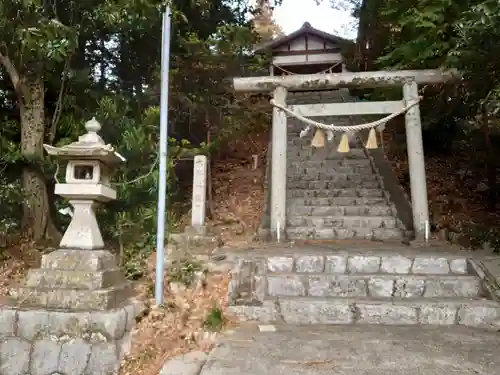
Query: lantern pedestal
[83,232]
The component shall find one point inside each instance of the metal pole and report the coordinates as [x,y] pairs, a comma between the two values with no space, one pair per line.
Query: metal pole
[162,178]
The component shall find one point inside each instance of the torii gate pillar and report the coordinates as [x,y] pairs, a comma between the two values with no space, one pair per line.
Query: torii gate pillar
[278,170]
[416,162]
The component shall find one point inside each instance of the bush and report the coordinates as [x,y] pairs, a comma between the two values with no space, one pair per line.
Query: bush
[12,198]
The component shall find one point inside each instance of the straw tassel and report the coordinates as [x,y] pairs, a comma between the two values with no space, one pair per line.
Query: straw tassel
[344,144]
[305,131]
[329,135]
[319,138]
[372,139]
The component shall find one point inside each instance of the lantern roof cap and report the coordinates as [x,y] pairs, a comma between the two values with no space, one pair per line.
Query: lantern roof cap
[88,146]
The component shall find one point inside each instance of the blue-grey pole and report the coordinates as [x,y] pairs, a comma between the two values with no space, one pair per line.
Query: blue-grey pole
[162,178]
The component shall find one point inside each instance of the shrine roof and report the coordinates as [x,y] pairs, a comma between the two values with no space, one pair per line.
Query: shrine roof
[306,29]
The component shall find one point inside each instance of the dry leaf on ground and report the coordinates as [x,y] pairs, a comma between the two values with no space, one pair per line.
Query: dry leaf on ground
[176,328]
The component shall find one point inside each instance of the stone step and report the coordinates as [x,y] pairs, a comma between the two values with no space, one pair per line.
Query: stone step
[351,222]
[378,234]
[425,311]
[296,168]
[367,210]
[294,130]
[318,185]
[306,157]
[377,284]
[305,145]
[334,177]
[365,262]
[325,152]
[330,163]
[355,149]
[337,201]
[294,137]
[335,193]
[330,149]
[372,285]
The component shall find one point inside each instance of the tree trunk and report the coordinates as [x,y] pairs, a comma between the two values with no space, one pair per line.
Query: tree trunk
[37,221]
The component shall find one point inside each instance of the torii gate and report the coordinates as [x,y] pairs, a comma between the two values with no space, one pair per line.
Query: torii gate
[408,79]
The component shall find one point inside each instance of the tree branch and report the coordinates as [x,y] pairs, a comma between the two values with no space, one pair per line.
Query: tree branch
[13,74]
[57,111]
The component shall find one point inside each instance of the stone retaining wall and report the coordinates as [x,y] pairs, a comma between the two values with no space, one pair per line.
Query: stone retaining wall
[41,342]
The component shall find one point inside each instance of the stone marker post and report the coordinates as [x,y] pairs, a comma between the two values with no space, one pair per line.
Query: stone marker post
[196,237]
[73,315]
[199,204]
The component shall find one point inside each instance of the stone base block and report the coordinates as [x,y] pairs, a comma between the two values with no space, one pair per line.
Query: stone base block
[196,230]
[191,239]
[79,260]
[264,234]
[73,299]
[41,342]
[73,279]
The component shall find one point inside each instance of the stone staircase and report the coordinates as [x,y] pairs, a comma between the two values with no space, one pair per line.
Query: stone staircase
[354,196]
[400,286]
[332,195]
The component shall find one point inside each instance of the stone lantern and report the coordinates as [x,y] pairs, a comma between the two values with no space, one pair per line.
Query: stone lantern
[75,313]
[89,164]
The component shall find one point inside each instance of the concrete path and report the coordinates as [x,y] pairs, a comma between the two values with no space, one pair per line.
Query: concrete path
[356,350]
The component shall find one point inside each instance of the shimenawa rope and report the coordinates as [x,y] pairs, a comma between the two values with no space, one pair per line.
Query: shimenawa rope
[321,129]
[343,128]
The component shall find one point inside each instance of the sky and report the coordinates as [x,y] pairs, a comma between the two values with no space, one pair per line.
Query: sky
[323,17]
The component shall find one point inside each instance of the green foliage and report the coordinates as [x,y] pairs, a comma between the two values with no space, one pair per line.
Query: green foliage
[35,30]
[478,236]
[214,321]
[439,34]
[133,259]
[458,34]
[10,214]
[463,35]
[184,271]
[102,58]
